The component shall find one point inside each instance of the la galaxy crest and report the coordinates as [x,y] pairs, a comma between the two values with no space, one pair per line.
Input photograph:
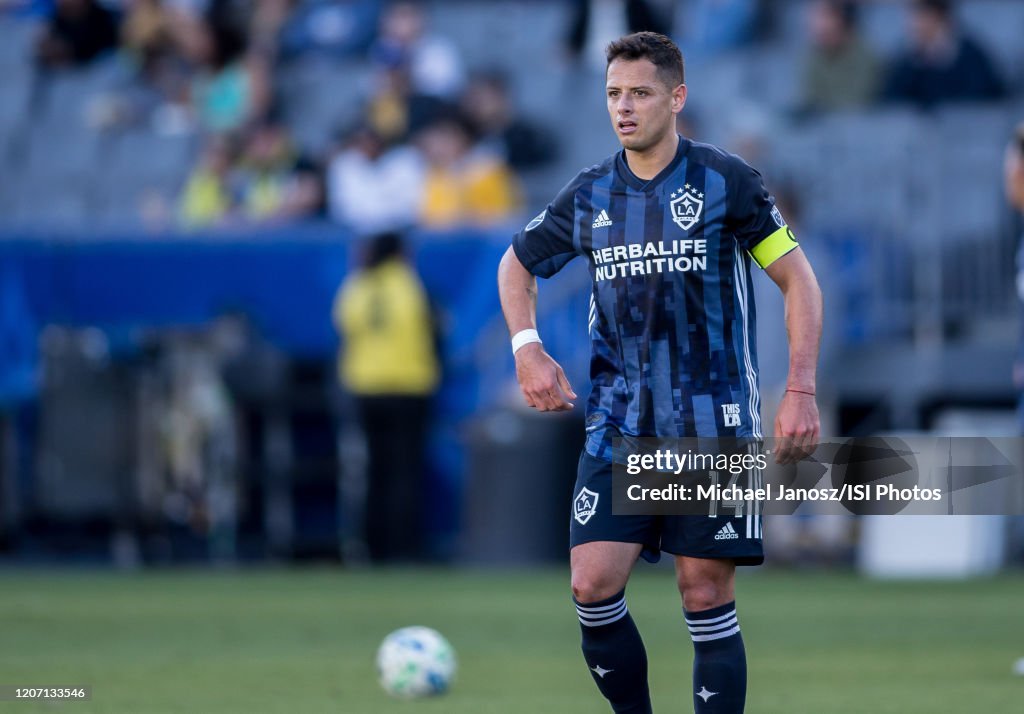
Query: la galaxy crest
[585,505]
[686,206]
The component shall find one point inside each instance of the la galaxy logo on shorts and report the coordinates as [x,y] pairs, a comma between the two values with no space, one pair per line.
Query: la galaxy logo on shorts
[584,506]
[686,206]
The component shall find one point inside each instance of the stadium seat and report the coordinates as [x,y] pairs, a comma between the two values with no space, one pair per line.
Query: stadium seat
[14,100]
[50,202]
[775,76]
[66,95]
[885,25]
[319,96]
[999,26]
[16,48]
[72,151]
[146,156]
[972,140]
[529,34]
[142,165]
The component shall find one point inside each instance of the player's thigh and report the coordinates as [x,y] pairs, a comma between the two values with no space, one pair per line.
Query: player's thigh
[705,583]
[592,520]
[601,568]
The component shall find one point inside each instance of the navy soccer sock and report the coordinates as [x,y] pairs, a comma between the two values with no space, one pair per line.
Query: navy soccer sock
[720,662]
[615,654]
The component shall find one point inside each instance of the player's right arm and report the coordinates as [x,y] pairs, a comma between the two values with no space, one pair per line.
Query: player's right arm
[541,249]
[541,379]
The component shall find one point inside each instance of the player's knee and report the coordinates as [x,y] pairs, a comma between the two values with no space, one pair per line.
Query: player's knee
[587,587]
[705,595]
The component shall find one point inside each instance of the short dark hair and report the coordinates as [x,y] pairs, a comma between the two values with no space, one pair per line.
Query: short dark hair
[653,47]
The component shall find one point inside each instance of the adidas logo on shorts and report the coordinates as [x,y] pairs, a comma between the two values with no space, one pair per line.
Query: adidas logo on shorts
[727,532]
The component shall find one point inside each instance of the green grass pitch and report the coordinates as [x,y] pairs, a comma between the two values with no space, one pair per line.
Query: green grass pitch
[304,641]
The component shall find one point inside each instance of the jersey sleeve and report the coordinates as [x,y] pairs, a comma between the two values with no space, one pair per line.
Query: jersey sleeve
[545,245]
[758,225]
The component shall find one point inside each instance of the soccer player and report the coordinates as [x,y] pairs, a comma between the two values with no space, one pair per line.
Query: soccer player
[669,227]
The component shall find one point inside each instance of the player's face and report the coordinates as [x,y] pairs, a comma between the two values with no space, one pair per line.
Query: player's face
[643,110]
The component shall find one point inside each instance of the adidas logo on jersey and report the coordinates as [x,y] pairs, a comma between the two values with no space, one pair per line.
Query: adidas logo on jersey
[602,220]
[727,532]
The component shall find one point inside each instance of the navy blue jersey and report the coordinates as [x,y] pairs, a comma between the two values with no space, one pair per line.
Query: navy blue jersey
[671,314]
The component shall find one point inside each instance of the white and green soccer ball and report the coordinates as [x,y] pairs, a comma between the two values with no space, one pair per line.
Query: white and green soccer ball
[415,662]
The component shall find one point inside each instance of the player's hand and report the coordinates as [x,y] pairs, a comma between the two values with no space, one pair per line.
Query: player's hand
[542,380]
[797,427]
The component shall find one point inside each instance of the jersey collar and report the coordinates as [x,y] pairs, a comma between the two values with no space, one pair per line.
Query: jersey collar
[639,184]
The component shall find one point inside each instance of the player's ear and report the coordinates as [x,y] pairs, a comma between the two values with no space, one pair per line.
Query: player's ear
[678,98]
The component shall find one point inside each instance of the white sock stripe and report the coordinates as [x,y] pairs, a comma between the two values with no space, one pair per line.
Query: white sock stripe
[711,620]
[606,621]
[602,608]
[716,636]
[600,615]
[728,623]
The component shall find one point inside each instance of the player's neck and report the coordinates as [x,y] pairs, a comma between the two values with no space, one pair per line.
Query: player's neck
[645,165]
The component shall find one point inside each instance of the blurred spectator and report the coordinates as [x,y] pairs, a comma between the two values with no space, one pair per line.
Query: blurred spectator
[339,28]
[389,364]
[146,32]
[150,38]
[434,65]
[639,15]
[395,109]
[232,86]
[942,64]
[1014,170]
[275,182]
[841,71]
[521,144]
[207,199]
[78,32]
[372,188]
[463,186]
[709,27]
[1013,175]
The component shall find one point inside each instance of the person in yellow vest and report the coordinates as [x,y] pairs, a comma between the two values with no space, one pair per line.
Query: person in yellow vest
[389,364]
[206,199]
[463,185]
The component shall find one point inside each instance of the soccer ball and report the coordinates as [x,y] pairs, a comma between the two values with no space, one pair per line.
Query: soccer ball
[415,662]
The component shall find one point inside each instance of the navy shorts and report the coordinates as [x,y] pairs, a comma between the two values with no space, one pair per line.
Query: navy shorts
[737,538]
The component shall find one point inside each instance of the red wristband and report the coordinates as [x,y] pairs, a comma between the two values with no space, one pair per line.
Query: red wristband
[800,391]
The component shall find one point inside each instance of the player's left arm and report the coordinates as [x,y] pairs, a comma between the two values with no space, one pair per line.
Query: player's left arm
[761,230]
[797,426]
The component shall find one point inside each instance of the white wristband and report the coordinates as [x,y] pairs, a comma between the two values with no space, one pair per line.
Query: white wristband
[524,337]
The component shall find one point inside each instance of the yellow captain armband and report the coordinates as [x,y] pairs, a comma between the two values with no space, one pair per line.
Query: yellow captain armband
[773,247]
